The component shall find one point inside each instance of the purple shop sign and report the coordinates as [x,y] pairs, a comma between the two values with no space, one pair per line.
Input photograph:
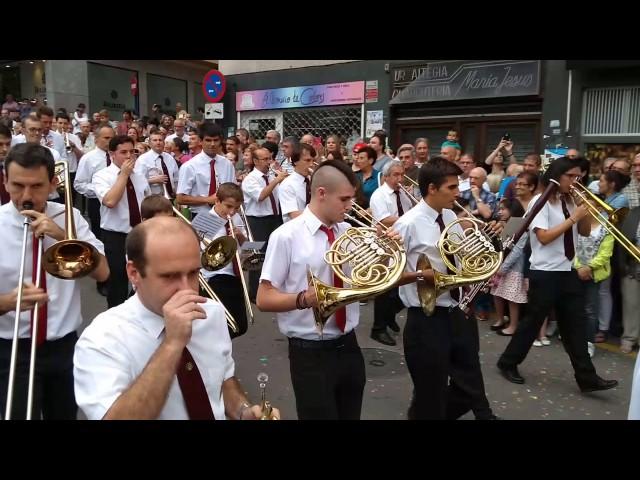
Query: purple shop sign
[295,97]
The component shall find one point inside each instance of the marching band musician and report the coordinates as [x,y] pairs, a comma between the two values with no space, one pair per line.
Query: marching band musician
[120,191]
[260,190]
[5,145]
[295,190]
[388,203]
[165,353]
[199,177]
[554,285]
[226,282]
[30,178]
[327,372]
[442,350]
[73,148]
[158,167]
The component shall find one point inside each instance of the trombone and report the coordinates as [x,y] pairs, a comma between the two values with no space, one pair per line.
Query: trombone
[245,290]
[255,258]
[597,209]
[215,255]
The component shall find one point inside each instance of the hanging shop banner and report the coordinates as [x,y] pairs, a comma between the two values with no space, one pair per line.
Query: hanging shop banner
[458,80]
[296,97]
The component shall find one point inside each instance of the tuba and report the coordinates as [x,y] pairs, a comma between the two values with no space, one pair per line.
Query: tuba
[376,264]
[478,251]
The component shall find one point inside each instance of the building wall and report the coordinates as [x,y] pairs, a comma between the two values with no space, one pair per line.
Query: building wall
[236,67]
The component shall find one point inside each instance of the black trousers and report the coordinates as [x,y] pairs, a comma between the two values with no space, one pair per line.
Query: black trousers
[53,395]
[228,288]
[385,308]
[563,292]
[442,353]
[93,207]
[118,282]
[261,228]
[328,378]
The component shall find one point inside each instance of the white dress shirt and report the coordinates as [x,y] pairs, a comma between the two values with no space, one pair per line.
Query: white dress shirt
[116,219]
[195,177]
[115,348]
[420,234]
[222,232]
[292,247]
[63,309]
[634,404]
[70,157]
[89,143]
[252,186]
[550,257]
[88,166]
[292,193]
[185,137]
[149,165]
[17,139]
[383,202]
[54,140]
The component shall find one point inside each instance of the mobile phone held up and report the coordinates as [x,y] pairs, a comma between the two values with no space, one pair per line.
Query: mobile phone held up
[506,137]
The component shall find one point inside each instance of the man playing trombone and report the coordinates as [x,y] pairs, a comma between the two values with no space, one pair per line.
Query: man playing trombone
[29,179]
[158,166]
[388,203]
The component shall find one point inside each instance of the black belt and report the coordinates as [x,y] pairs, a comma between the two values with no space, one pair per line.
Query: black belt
[322,344]
[114,233]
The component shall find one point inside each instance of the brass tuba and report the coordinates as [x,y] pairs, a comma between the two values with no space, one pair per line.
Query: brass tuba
[376,262]
[478,251]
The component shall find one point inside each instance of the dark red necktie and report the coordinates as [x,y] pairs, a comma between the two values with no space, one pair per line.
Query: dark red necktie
[399,203]
[212,182]
[569,250]
[42,314]
[308,188]
[274,207]
[341,314]
[108,159]
[4,195]
[236,268]
[455,293]
[165,170]
[193,390]
[134,208]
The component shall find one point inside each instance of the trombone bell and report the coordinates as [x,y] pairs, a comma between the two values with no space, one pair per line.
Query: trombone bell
[68,259]
[218,253]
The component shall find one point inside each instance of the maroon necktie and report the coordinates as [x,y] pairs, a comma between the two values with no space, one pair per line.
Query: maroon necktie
[236,268]
[399,203]
[4,195]
[274,207]
[212,182]
[108,159]
[192,387]
[341,314]
[455,293]
[42,317]
[569,250]
[134,208]
[165,170]
[308,188]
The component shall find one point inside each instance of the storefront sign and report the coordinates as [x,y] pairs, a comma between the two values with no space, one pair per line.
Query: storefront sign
[459,80]
[295,97]
[371,91]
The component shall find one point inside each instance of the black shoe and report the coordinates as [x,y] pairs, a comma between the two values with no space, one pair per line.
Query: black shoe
[599,384]
[383,337]
[511,374]
[495,328]
[502,334]
[394,326]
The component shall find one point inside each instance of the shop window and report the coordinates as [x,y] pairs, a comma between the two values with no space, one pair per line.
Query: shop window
[611,111]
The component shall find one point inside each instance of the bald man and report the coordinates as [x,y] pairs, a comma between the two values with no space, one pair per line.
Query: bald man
[450,153]
[165,353]
[327,370]
[482,203]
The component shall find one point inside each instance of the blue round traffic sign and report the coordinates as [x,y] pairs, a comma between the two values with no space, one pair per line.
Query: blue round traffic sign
[214,86]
